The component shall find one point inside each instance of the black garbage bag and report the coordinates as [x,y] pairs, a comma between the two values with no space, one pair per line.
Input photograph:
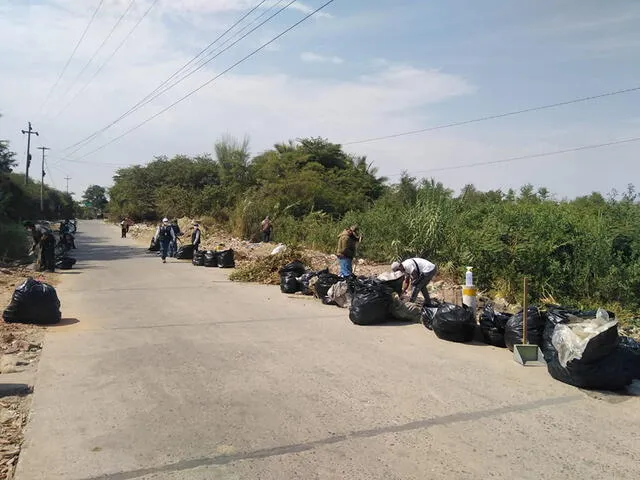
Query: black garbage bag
[370,304]
[324,283]
[394,285]
[154,246]
[185,252]
[632,349]
[226,259]
[289,283]
[492,326]
[65,263]
[428,312]
[210,259]
[613,372]
[454,323]
[198,259]
[306,278]
[536,320]
[33,302]
[296,267]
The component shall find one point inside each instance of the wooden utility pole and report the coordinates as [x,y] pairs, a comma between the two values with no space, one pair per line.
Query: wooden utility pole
[28,132]
[42,179]
[67,179]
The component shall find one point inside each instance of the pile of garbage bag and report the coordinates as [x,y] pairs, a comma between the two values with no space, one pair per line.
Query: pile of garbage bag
[324,283]
[226,259]
[493,325]
[454,323]
[585,350]
[289,275]
[33,302]
[185,252]
[536,321]
[306,281]
[65,263]
[198,259]
[210,259]
[154,246]
[370,303]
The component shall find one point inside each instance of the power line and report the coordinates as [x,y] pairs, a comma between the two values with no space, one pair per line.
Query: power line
[75,49]
[95,53]
[113,54]
[243,59]
[159,90]
[524,157]
[493,117]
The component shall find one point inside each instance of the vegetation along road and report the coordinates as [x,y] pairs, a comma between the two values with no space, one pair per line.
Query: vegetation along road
[167,371]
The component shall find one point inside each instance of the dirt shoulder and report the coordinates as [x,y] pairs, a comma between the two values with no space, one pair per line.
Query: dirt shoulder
[20,348]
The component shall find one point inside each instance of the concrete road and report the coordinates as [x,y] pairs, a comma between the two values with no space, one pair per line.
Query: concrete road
[173,372]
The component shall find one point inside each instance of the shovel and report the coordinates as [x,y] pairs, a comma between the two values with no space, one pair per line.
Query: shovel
[526,353]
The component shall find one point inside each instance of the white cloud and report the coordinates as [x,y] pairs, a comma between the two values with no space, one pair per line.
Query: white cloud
[311,57]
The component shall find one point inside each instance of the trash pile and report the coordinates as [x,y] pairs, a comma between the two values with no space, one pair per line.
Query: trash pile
[210,258]
[581,348]
[33,302]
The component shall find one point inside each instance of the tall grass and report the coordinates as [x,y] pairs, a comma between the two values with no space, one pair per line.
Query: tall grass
[14,243]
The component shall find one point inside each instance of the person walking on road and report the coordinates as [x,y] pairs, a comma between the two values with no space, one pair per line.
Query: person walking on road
[347,244]
[418,273]
[173,246]
[44,246]
[266,227]
[165,235]
[124,227]
[195,237]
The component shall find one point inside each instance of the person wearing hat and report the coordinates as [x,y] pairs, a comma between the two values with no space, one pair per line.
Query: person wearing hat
[347,244]
[195,236]
[418,273]
[165,234]
[44,246]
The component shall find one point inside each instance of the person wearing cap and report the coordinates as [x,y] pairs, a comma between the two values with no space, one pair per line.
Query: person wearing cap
[165,235]
[44,245]
[347,244]
[195,237]
[418,273]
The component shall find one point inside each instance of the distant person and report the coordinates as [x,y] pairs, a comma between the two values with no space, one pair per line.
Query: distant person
[44,246]
[173,246]
[347,243]
[196,237]
[418,273]
[165,235]
[266,227]
[124,228]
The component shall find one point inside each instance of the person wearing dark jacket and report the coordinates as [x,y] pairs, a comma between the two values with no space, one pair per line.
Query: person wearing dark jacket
[347,244]
[44,246]
[195,237]
[173,246]
[165,235]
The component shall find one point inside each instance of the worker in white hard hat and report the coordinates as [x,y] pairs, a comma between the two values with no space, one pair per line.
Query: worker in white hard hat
[418,273]
[165,235]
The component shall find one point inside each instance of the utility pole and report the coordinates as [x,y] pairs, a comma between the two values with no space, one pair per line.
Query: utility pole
[28,133]
[42,179]
[67,179]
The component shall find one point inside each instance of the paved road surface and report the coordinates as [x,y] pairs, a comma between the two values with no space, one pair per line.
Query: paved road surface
[173,372]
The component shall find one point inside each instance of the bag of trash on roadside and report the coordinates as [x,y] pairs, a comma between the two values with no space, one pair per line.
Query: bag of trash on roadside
[631,348]
[198,259]
[394,280]
[536,321]
[185,252]
[454,323]
[404,311]
[296,267]
[588,353]
[154,246]
[289,283]
[492,326]
[305,281]
[210,259]
[324,283]
[33,302]
[339,295]
[65,263]
[428,312]
[226,259]
[370,304]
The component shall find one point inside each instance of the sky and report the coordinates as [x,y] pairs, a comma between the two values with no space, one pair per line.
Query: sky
[356,70]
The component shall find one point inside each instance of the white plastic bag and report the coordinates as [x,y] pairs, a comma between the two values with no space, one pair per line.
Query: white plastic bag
[279,249]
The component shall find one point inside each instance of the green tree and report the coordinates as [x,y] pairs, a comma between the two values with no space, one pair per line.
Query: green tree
[7,158]
[96,197]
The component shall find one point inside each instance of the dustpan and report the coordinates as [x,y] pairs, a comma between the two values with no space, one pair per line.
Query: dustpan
[527,353]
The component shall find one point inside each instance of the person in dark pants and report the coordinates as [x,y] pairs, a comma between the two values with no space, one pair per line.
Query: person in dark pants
[196,237]
[124,228]
[267,227]
[44,246]
[418,273]
[347,244]
[173,246]
[165,235]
